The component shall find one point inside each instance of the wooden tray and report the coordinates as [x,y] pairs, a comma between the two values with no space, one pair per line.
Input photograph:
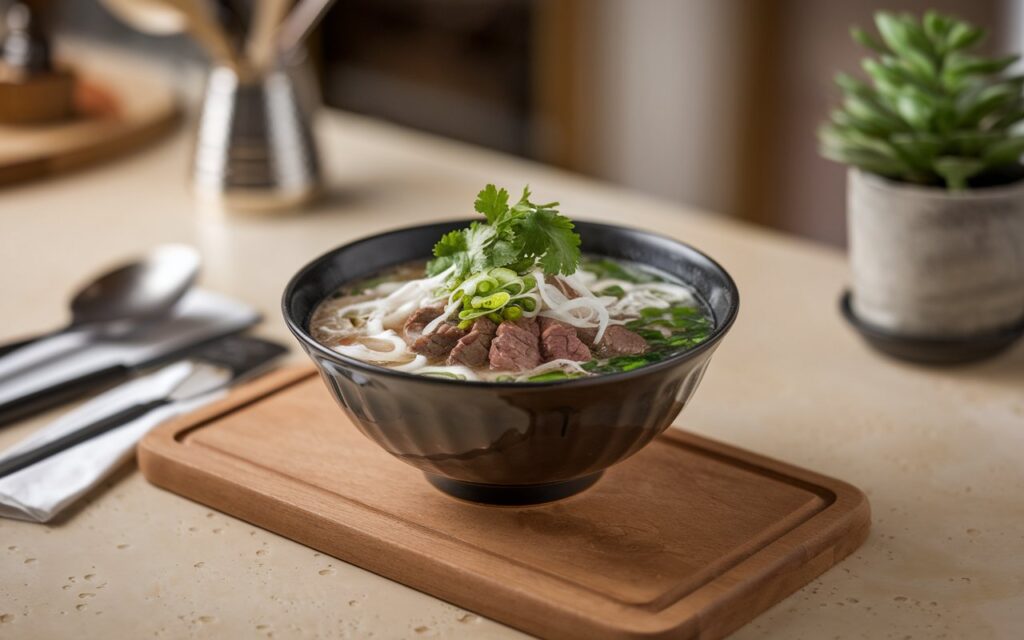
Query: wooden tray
[690,538]
[121,106]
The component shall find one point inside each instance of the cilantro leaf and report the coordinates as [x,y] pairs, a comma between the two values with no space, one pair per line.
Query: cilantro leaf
[519,237]
[549,236]
[523,206]
[492,202]
[450,244]
[438,265]
[449,250]
[478,240]
[503,253]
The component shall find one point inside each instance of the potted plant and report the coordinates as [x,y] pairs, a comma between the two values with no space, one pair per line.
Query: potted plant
[935,196]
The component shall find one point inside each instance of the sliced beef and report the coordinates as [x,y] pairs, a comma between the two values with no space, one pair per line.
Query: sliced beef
[558,340]
[528,324]
[587,334]
[514,347]
[420,318]
[473,348]
[619,341]
[439,343]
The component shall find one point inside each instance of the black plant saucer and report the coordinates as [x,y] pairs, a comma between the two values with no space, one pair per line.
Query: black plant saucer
[932,351]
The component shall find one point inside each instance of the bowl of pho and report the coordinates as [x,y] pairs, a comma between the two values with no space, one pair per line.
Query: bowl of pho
[512,357]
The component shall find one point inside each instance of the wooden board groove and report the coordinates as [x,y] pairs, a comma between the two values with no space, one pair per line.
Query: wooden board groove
[690,538]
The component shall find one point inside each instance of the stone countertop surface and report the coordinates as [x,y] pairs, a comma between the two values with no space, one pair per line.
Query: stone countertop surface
[940,452]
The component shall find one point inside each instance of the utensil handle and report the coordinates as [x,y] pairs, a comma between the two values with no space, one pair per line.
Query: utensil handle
[37,351]
[24,406]
[19,461]
[24,342]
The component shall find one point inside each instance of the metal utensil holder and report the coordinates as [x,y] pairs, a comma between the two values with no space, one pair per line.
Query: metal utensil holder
[254,148]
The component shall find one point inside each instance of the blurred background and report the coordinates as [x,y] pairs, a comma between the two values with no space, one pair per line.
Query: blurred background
[710,103]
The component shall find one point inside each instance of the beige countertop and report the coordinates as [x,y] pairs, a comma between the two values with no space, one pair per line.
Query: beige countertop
[940,453]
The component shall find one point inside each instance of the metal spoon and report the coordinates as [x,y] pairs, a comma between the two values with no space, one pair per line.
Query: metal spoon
[134,292]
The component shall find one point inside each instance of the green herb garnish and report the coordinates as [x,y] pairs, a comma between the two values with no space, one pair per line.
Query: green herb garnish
[519,237]
[604,268]
[490,261]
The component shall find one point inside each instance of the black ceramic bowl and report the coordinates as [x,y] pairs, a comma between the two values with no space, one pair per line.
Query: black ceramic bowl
[510,443]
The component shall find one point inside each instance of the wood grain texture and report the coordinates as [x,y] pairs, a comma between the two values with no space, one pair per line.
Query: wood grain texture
[690,538]
[37,99]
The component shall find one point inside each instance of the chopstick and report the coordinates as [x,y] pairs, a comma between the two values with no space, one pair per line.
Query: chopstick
[260,46]
[299,24]
[19,461]
[274,31]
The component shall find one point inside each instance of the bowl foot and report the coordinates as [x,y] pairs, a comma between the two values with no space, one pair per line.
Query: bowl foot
[512,495]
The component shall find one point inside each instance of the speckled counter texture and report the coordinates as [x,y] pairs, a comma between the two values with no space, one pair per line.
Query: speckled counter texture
[940,453]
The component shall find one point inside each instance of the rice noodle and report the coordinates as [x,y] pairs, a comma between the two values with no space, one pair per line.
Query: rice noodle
[562,364]
[432,326]
[673,292]
[577,285]
[601,285]
[390,311]
[456,369]
[587,278]
[361,348]
[375,324]
[415,364]
[660,295]
[387,288]
[395,319]
[559,307]
[551,296]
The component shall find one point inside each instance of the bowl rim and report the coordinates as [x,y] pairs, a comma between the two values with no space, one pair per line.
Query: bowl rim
[309,342]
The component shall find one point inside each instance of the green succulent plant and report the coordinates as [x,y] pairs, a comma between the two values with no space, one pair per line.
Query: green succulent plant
[932,113]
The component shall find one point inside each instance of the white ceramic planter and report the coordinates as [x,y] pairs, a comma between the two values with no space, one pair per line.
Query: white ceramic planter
[930,263]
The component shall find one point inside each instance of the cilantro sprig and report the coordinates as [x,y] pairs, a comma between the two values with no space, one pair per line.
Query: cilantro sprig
[518,237]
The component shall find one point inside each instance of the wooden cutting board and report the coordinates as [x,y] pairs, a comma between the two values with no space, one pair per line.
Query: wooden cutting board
[120,107]
[690,538]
